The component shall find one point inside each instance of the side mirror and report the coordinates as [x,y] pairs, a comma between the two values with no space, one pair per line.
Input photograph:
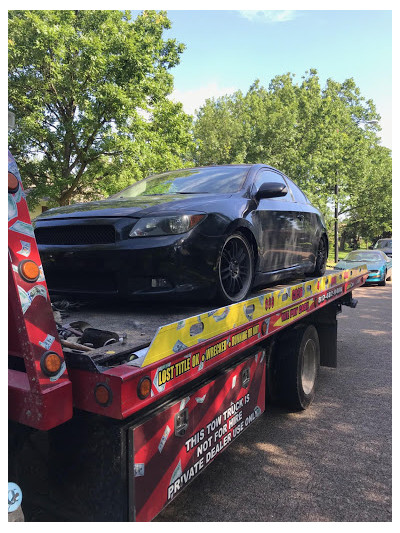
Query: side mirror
[370,247]
[271,190]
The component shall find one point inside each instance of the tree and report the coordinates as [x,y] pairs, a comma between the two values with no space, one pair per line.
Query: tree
[370,216]
[322,137]
[89,90]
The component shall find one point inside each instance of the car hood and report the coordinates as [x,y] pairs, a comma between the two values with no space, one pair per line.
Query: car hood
[135,207]
[371,265]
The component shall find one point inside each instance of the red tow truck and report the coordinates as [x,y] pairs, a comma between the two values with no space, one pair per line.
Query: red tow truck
[115,433]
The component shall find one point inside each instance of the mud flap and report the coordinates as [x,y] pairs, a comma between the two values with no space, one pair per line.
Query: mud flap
[167,451]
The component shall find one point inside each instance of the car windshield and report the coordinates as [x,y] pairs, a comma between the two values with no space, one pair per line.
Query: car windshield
[364,256]
[383,244]
[209,180]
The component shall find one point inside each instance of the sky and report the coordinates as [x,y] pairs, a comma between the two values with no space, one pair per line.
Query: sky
[228,50]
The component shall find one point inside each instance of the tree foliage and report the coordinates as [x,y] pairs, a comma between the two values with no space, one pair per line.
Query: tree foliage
[89,90]
[90,93]
[319,136]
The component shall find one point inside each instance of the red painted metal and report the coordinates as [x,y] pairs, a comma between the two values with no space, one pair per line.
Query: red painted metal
[162,462]
[35,399]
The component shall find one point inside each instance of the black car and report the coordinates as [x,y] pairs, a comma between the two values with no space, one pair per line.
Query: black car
[207,231]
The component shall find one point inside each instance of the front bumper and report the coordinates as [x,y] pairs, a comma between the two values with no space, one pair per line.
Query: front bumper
[375,277]
[176,265]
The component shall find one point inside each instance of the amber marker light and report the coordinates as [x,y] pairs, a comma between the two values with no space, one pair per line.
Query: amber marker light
[144,388]
[50,363]
[103,394]
[28,270]
[13,183]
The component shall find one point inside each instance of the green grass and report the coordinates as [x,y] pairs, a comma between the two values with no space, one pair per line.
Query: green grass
[331,257]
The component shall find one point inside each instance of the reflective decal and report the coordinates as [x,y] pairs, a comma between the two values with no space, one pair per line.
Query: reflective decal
[60,372]
[179,346]
[24,228]
[176,473]
[201,400]
[27,298]
[218,318]
[47,343]
[184,403]
[138,470]
[158,383]
[25,249]
[37,290]
[164,439]
[12,207]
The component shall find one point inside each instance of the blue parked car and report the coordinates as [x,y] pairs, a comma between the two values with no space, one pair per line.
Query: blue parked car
[378,264]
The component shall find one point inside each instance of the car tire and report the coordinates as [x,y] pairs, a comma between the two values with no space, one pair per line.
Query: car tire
[383,282]
[321,259]
[298,370]
[234,269]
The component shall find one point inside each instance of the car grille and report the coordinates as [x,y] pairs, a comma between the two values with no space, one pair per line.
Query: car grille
[85,282]
[76,234]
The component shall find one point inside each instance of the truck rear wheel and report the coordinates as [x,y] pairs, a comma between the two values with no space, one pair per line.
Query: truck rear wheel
[298,363]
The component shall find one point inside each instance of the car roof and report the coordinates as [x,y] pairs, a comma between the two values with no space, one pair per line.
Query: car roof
[249,165]
[367,252]
[364,251]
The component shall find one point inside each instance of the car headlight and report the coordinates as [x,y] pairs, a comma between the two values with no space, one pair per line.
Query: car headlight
[166,225]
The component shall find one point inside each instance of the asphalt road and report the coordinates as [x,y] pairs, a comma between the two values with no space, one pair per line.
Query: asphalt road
[329,463]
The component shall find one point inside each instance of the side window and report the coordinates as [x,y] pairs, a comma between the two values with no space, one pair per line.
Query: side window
[299,196]
[270,176]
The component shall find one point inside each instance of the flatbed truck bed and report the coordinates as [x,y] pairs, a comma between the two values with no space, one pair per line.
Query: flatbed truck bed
[139,320]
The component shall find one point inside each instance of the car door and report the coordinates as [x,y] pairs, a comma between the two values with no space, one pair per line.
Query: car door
[308,239]
[388,265]
[277,226]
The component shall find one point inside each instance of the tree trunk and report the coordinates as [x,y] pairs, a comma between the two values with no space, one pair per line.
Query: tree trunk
[336,222]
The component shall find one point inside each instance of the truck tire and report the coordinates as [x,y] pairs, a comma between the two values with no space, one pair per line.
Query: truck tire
[297,363]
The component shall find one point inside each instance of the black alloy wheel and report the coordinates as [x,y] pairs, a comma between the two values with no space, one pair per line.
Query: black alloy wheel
[321,259]
[235,269]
